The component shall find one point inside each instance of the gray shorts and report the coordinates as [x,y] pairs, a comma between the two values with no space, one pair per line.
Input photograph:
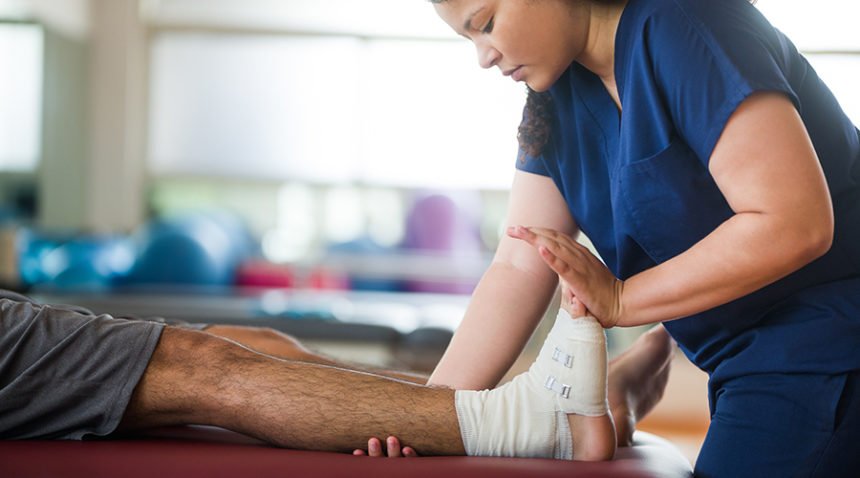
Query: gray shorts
[66,372]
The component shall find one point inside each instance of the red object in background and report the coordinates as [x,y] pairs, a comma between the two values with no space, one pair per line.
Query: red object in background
[322,278]
[262,273]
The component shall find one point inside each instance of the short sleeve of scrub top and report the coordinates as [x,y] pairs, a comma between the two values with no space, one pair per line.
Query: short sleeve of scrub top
[702,71]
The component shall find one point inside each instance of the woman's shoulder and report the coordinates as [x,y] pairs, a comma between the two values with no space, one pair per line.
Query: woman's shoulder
[662,19]
[689,8]
[671,31]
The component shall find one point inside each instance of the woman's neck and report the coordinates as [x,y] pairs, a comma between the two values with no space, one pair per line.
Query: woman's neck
[599,53]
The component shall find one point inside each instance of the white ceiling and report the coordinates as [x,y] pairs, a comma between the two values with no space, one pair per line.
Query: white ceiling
[818,25]
[399,18]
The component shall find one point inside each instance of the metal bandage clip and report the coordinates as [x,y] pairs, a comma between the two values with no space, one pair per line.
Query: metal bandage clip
[557,387]
[562,358]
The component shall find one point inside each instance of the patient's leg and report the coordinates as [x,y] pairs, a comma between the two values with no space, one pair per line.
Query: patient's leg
[281,345]
[636,380]
[196,378]
[557,409]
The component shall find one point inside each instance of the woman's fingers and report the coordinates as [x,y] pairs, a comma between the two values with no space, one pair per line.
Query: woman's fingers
[570,303]
[561,245]
[577,308]
[534,234]
[595,287]
[553,235]
[555,263]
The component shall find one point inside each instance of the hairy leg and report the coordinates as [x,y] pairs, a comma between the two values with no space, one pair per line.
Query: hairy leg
[197,378]
[636,380]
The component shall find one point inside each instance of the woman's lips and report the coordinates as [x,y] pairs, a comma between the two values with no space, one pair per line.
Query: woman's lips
[517,75]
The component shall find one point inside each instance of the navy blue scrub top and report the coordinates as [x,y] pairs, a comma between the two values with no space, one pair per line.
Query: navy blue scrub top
[638,184]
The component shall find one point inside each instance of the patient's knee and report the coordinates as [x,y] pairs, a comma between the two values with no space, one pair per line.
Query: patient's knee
[182,380]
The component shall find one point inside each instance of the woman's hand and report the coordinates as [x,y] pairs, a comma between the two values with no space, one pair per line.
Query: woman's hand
[570,303]
[393,449]
[589,281]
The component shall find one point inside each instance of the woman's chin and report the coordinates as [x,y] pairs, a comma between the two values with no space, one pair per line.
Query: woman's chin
[541,84]
[537,87]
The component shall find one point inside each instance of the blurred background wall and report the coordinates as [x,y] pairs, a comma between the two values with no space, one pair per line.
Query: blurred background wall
[315,121]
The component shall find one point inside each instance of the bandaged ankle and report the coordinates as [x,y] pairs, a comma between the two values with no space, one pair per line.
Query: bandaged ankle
[527,417]
[572,363]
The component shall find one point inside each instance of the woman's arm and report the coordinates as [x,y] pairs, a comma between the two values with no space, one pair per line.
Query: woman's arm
[510,298]
[768,171]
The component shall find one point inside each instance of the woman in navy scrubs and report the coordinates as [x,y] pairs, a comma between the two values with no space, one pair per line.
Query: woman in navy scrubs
[719,180]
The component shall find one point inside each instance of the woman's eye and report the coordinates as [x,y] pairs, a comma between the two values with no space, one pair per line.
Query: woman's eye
[489,27]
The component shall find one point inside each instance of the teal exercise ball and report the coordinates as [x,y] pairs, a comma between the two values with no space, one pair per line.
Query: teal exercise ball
[192,249]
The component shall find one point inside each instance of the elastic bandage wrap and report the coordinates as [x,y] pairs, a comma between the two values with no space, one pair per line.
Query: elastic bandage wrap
[527,417]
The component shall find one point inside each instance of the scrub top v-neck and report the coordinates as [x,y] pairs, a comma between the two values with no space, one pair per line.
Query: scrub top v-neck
[637,182]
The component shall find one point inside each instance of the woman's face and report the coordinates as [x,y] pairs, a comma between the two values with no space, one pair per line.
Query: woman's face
[530,40]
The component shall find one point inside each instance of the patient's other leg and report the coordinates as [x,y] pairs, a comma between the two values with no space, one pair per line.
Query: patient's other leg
[637,380]
[278,344]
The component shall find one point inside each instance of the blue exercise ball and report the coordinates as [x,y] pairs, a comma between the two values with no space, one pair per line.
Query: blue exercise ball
[74,262]
[192,249]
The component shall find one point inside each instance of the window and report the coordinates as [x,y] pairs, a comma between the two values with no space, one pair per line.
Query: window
[21,89]
[359,109]
[825,31]
[410,113]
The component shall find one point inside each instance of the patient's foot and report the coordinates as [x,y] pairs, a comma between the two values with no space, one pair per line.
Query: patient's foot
[637,379]
[557,409]
[594,438]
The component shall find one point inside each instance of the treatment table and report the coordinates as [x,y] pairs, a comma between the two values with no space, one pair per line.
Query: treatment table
[193,451]
[183,452]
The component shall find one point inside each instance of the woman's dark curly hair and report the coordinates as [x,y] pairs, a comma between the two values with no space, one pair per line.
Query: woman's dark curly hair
[533,132]
[536,125]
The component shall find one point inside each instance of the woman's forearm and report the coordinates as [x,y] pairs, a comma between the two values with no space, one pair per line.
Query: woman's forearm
[746,253]
[507,305]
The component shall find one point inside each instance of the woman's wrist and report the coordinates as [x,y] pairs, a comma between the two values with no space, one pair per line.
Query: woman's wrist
[616,317]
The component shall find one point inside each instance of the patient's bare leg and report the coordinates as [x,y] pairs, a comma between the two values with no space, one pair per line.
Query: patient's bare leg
[636,378]
[196,378]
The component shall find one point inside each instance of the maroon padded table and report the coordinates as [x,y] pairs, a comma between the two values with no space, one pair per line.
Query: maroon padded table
[212,452]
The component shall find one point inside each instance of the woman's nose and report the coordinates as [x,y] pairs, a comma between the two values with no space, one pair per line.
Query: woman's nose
[488,56]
